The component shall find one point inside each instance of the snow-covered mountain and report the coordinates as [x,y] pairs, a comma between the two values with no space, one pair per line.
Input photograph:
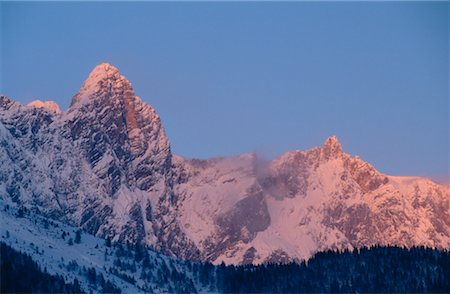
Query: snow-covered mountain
[305,201]
[105,165]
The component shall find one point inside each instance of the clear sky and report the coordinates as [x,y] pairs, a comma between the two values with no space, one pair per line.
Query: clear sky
[230,78]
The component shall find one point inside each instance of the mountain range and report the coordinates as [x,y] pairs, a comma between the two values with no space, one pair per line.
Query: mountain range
[105,165]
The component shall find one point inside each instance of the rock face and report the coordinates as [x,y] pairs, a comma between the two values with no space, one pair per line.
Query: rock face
[105,164]
[122,137]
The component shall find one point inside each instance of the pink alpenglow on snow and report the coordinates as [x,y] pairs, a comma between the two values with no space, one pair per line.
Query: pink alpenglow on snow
[49,105]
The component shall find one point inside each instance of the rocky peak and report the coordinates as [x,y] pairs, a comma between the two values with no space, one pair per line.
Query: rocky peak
[332,147]
[6,103]
[105,69]
[104,79]
[125,140]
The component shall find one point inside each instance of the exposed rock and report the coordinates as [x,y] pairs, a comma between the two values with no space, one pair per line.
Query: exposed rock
[249,256]
[278,256]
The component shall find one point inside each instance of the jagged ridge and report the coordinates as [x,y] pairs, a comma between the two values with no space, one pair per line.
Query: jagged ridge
[105,164]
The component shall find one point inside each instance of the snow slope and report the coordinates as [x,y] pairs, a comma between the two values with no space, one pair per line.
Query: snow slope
[42,239]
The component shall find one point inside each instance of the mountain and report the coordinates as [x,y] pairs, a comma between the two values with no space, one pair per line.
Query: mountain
[105,165]
[304,201]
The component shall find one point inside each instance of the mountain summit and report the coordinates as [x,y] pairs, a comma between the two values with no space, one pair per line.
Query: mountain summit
[123,131]
[332,147]
[104,79]
[333,144]
[106,166]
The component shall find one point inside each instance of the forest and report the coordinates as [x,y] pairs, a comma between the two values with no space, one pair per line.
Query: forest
[20,274]
[376,270]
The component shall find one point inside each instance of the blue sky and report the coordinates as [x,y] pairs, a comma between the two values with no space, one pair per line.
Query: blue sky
[229,78]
